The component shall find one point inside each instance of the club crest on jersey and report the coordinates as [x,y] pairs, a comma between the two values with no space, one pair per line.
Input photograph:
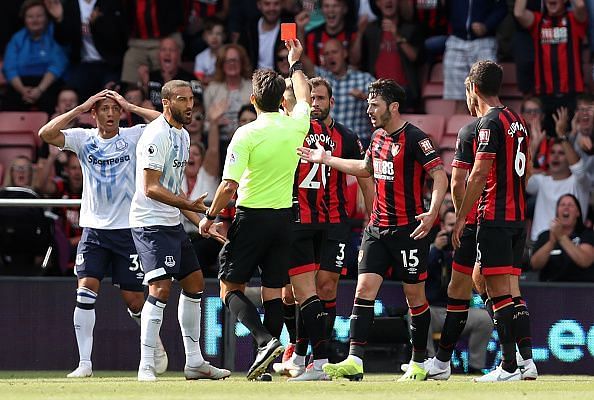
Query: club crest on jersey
[483,136]
[395,149]
[426,146]
[152,150]
[121,144]
[169,261]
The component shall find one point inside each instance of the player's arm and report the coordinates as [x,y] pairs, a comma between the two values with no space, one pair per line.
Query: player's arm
[540,257]
[300,84]
[579,10]
[145,113]
[368,190]
[440,186]
[223,195]
[582,254]
[319,155]
[51,132]
[154,190]
[458,186]
[524,16]
[214,230]
[474,187]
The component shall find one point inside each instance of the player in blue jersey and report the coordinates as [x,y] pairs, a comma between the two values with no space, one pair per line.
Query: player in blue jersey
[163,246]
[107,155]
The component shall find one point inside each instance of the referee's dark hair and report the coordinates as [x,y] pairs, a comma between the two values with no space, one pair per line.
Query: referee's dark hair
[388,90]
[268,87]
[487,76]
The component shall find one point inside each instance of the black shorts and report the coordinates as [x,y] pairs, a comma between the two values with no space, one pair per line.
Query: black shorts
[318,247]
[500,249]
[101,251]
[165,252]
[384,249]
[465,256]
[258,238]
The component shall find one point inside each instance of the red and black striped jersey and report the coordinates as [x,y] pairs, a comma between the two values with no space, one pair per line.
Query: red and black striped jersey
[322,191]
[502,136]
[400,162]
[203,9]
[317,38]
[464,158]
[557,49]
[433,17]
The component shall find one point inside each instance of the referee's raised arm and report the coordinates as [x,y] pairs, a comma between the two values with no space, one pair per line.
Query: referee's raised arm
[300,85]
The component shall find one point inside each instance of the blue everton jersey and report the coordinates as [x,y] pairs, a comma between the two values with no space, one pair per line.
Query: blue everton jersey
[108,167]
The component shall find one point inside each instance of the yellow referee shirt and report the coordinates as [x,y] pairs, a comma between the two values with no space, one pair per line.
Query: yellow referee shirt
[262,158]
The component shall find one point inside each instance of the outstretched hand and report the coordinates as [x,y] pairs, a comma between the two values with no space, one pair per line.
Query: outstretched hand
[424,227]
[198,204]
[319,155]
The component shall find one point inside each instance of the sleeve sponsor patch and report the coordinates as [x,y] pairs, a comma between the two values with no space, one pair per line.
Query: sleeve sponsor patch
[426,146]
[152,150]
[483,136]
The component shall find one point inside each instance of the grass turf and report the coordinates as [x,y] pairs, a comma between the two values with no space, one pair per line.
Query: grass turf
[24,385]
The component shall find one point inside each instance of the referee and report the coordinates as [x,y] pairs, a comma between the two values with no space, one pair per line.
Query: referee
[260,165]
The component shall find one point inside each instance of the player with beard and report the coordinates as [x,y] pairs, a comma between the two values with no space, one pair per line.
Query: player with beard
[164,248]
[399,157]
[321,233]
[104,168]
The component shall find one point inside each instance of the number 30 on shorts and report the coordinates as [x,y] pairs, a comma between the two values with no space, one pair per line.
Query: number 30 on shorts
[135,263]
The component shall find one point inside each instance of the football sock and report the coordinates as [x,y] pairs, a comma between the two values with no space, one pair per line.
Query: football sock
[456,316]
[188,315]
[420,321]
[503,310]
[522,328]
[246,313]
[361,321]
[84,323]
[273,316]
[150,324]
[289,317]
[314,319]
[488,304]
[330,309]
[302,340]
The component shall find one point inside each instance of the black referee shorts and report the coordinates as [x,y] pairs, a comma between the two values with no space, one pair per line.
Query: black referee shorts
[258,237]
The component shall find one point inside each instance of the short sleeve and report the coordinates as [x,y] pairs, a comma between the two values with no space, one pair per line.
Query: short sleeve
[74,139]
[424,151]
[541,240]
[487,140]
[152,153]
[238,154]
[464,153]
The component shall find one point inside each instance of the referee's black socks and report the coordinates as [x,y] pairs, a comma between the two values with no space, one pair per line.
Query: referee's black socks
[273,316]
[246,313]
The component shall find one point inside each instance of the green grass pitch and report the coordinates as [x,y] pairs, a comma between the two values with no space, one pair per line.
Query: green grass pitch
[24,385]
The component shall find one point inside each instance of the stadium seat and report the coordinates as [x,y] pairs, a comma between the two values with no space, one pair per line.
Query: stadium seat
[86,119]
[16,143]
[433,90]
[509,74]
[439,106]
[447,156]
[23,121]
[448,141]
[432,125]
[436,74]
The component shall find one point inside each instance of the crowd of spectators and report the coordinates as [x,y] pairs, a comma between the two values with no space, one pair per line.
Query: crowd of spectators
[56,53]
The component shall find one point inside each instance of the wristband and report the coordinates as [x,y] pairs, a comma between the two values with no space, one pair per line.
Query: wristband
[209,217]
[297,66]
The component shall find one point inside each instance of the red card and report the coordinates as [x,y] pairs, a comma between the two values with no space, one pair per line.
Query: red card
[289,31]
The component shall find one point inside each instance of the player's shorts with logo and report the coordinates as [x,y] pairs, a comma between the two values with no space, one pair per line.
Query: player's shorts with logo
[258,238]
[102,252]
[165,251]
[318,247]
[392,249]
[500,249]
[465,255]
